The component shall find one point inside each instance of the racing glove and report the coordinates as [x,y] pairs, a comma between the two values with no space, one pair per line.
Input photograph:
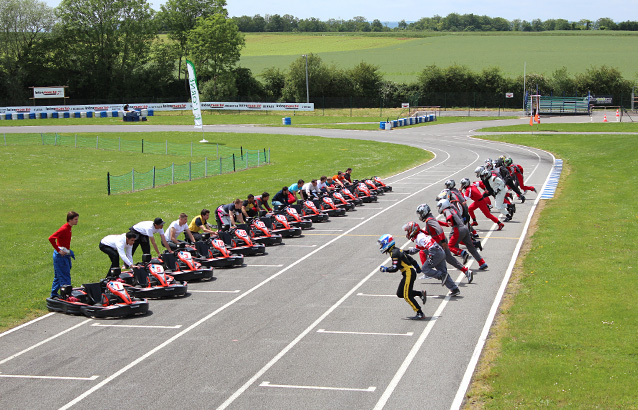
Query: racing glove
[383,268]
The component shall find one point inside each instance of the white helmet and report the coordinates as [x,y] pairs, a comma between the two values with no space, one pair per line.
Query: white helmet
[478,171]
[465,182]
[443,204]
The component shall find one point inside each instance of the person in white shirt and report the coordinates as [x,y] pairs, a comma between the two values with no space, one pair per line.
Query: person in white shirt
[176,228]
[310,190]
[145,232]
[119,247]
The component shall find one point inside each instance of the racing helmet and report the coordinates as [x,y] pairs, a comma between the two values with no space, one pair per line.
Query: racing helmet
[465,182]
[411,229]
[423,211]
[443,204]
[444,194]
[485,173]
[478,171]
[489,164]
[386,242]
[508,161]
[449,184]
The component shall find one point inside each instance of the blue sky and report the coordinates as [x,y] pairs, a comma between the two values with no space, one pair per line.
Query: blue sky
[412,10]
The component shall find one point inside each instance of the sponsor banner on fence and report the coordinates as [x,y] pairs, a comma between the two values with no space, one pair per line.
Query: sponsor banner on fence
[241,106]
[48,92]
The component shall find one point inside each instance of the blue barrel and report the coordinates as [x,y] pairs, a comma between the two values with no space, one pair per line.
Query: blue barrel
[20,116]
[8,116]
[32,116]
[102,114]
[89,114]
[382,125]
[66,114]
[115,113]
[395,123]
[77,114]
[43,115]
[55,115]
[286,121]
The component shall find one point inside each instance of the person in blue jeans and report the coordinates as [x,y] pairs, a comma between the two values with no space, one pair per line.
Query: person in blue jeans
[62,253]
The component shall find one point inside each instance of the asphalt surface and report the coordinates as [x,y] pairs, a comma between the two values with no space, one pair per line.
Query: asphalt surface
[313,324]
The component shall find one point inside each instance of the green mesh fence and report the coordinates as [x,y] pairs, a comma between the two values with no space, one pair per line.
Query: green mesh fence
[208,150]
[136,181]
[219,159]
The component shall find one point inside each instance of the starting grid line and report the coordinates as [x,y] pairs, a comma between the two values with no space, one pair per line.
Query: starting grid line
[26,376]
[291,386]
[552,183]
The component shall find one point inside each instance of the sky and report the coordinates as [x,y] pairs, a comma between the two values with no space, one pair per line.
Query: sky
[412,10]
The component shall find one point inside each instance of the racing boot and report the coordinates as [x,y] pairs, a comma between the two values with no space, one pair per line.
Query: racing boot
[508,218]
[469,275]
[522,199]
[501,225]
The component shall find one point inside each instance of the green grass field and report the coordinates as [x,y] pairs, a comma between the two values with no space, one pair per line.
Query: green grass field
[401,59]
[582,127]
[569,338]
[40,184]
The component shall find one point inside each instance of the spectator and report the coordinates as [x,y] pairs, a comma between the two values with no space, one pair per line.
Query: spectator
[62,253]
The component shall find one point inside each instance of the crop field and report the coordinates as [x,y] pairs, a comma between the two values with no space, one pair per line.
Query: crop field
[401,59]
[40,184]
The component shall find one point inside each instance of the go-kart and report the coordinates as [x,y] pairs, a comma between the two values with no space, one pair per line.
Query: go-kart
[364,193]
[374,189]
[260,233]
[213,253]
[294,219]
[238,241]
[341,202]
[279,225]
[350,197]
[329,207]
[310,210]
[183,268]
[381,184]
[148,280]
[100,300]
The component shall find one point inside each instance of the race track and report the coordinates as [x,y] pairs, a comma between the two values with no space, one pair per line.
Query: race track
[312,325]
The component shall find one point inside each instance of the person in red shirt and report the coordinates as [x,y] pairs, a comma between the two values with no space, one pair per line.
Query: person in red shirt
[471,191]
[517,171]
[62,253]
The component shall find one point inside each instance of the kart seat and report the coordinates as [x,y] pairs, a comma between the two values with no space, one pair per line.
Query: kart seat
[94,291]
[141,276]
[170,261]
[203,249]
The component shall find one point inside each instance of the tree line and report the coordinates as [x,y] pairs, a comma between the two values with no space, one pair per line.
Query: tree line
[453,22]
[109,51]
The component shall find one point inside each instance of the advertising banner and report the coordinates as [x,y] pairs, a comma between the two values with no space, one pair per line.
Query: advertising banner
[48,92]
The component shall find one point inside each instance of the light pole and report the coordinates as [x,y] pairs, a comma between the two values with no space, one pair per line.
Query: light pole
[307,87]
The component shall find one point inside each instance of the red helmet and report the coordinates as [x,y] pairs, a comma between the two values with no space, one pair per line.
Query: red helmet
[411,229]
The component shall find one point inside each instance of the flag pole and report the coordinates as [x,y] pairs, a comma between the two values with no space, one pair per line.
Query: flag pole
[197,111]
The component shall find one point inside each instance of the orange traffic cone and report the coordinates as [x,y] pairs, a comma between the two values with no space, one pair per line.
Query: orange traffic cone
[605,118]
[531,121]
[617,116]
[537,118]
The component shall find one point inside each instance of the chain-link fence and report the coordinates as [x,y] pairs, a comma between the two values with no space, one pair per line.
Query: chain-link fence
[136,181]
[218,159]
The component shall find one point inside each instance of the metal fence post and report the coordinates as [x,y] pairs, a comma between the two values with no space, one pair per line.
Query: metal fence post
[142,145]
[153,177]
[190,171]
[233,162]
[268,155]
[258,155]
[173,173]
[133,180]
[108,183]
[220,166]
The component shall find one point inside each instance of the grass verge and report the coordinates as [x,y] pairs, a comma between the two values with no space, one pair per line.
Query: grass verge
[582,127]
[40,184]
[565,335]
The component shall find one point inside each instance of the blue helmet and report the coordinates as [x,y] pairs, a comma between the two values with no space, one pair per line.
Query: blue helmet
[386,242]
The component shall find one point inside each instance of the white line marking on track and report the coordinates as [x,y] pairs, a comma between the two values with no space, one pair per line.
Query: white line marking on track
[290,386]
[26,324]
[328,230]
[391,296]
[338,332]
[43,342]
[214,291]
[139,326]
[26,376]
[366,208]
[301,246]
